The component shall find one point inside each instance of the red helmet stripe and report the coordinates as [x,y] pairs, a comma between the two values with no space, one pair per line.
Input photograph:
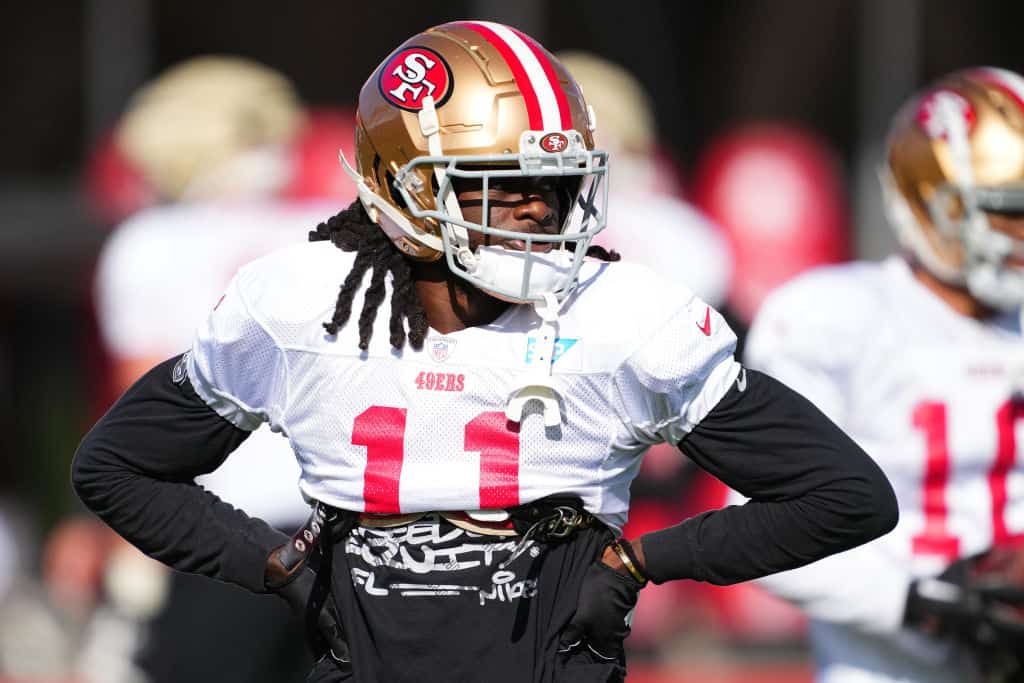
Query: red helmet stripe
[518,72]
[549,71]
[535,82]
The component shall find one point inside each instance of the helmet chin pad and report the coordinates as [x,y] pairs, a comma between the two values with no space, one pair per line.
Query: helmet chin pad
[520,276]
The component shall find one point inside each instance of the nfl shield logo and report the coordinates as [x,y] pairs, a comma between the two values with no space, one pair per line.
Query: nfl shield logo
[441,349]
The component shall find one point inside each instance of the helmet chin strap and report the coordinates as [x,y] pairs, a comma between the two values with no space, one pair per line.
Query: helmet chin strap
[539,386]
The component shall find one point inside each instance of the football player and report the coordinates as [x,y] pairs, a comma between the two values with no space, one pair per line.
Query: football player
[919,358]
[469,454]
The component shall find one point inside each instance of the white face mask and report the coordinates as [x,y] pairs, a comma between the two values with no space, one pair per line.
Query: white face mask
[521,275]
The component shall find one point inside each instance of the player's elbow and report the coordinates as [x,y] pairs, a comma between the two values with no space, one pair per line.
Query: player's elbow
[90,478]
[886,513]
[83,472]
[873,511]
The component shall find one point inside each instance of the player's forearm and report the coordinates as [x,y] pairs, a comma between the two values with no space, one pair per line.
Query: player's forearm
[179,524]
[814,491]
[135,469]
[737,544]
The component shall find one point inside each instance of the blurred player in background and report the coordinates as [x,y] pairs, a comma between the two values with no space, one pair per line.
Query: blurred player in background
[235,165]
[920,359]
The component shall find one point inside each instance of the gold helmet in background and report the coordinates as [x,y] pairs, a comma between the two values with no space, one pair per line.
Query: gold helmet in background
[212,126]
[477,101]
[625,109]
[955,152]
[628,130]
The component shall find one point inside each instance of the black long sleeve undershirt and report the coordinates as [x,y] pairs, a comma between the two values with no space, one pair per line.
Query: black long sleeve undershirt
[135,469]
[813,491]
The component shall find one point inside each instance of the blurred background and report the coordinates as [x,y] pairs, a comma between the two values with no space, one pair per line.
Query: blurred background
[747,132]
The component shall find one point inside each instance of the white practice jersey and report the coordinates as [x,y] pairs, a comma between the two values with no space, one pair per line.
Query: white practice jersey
[159,275]
[933,397]
[637,361]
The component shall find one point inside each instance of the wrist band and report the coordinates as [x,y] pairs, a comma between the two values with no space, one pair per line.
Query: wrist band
[622,548]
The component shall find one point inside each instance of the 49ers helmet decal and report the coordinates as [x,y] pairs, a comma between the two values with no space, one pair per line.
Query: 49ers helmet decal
[478,101]
[412,74]
[955,152]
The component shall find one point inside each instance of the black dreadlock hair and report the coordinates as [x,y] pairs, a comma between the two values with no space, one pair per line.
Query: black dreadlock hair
[352,230]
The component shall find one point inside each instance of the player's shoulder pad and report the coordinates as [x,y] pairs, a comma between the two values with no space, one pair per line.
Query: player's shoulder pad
[295,284]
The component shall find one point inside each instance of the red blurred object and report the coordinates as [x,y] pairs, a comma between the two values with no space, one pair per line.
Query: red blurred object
[748,613]
[73,562]
[723,672]
[778,194]
[317,173]
[114,187]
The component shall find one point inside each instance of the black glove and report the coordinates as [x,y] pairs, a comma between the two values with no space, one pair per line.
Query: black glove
[978,601]
[330,635]
[604,613]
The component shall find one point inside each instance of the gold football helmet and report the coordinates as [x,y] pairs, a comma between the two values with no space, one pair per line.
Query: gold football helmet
[478,101]
[955,152]
[212,126]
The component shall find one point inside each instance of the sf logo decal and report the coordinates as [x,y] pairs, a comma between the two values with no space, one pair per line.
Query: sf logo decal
[411,75]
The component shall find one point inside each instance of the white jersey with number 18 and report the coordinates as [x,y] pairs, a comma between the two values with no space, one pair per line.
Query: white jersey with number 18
[935,398]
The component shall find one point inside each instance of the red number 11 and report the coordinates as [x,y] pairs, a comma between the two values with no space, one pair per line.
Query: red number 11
[936,539]
[381,429]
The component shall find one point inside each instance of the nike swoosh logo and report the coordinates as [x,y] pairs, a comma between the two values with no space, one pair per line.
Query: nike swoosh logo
[706,327]
[741,381]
